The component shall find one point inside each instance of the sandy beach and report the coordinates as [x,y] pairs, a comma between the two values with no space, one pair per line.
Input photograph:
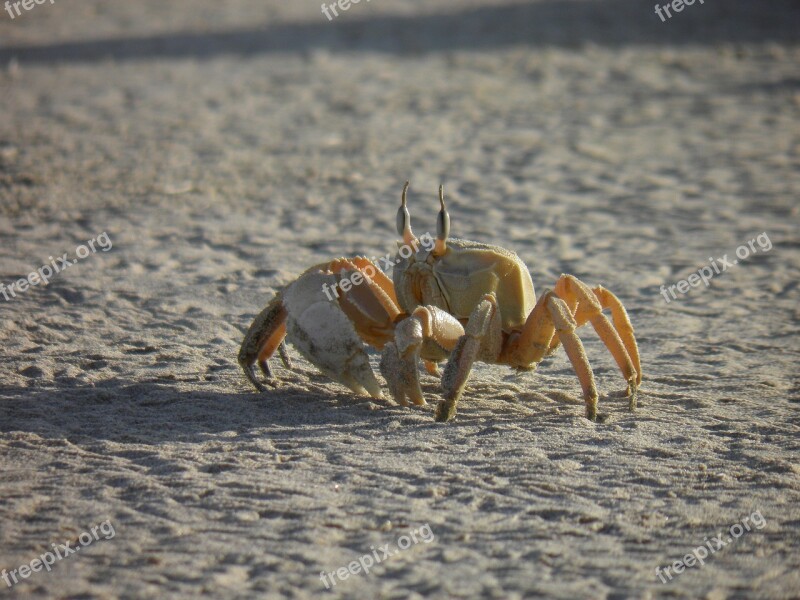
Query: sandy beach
[174,164]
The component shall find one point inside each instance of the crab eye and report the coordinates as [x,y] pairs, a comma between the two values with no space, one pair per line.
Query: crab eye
[442,225]
[403,216]
[404,221]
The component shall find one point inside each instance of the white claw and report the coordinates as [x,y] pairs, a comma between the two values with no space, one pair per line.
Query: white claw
[402,375]
[324,335]
[408,336]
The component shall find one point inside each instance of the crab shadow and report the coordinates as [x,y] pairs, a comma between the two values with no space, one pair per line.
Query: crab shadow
[305,404]
[122,411]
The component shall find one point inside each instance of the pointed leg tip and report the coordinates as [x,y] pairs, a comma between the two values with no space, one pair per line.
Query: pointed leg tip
[445,411]
[284,354]
[633,403]
[251,376]
[432,369]
[250,372]
[633,395]
[414,392]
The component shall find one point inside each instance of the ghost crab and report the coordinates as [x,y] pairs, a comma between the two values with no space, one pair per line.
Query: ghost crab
[455,299]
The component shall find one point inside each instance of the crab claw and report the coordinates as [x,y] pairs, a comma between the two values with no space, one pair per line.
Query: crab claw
[323,334]
[401,375]
[399,363]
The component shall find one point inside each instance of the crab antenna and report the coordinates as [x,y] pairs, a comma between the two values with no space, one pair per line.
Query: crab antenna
[404,220]
[442,226]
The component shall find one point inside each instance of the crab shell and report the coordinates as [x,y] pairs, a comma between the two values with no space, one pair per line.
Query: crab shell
[458,280]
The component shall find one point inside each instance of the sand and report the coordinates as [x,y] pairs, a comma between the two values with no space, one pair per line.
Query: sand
[225,147]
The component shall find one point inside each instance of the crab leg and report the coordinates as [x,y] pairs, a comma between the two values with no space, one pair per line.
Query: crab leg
[586,307]
[399,359]
[482,336]
[284,354]
[262,339]
[549,324]
[377,277]
[623,326]
[535,340]
[371,304]
[565,326]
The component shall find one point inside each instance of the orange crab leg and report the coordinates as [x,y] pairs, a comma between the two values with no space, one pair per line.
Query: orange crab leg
[565,326]
[575,292]
[366,302]
[623,326]
[379,278]
[262,339]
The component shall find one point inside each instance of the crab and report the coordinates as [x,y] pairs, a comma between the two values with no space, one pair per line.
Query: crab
[451,299]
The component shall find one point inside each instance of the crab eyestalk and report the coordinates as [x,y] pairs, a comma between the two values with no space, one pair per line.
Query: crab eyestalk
[404,222]
[442,226]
